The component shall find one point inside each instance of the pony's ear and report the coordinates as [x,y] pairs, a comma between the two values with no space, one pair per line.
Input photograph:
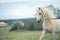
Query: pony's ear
[38,8]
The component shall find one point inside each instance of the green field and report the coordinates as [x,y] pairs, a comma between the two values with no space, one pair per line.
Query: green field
[22,35]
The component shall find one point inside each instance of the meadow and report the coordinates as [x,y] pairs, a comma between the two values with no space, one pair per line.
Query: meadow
[5,34]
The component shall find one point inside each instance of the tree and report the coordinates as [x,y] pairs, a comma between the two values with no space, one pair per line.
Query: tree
[17,26]
[31,26]
[57,13]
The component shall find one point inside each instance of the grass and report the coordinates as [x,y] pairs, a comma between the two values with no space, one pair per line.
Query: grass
[21,35]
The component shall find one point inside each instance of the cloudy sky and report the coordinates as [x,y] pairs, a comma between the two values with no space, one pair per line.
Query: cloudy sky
[16,9]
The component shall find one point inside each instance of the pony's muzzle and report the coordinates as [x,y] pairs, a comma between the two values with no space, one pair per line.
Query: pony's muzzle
[39,21]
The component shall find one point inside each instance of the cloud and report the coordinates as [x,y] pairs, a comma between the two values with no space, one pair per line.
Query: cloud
[18,11]
[8,1]
[21,9]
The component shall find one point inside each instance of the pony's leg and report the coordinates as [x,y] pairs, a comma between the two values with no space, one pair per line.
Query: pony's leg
[42,35]
[53,35]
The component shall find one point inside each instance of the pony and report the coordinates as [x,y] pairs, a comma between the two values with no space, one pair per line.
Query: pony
[49,24]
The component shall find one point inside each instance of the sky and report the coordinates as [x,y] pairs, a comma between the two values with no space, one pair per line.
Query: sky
[20,9]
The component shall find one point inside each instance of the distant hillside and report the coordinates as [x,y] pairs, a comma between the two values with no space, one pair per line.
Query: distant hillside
[17,20]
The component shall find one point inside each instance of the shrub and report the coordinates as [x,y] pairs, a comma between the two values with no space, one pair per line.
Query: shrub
[17,26]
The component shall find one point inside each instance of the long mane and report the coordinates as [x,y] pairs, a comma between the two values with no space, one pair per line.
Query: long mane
[47,15]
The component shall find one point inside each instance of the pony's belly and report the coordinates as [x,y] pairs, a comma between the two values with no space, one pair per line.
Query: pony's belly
[48,27]
[57,23]
[57,29]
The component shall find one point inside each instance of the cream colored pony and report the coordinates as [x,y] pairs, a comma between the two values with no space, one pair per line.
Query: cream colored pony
[50,24]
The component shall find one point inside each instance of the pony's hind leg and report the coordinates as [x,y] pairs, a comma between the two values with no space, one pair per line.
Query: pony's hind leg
[53,35]
[42,35]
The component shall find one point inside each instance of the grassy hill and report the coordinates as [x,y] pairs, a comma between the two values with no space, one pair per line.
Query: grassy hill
[5,34]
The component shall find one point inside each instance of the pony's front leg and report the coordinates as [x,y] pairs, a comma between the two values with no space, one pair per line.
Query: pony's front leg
[42,35]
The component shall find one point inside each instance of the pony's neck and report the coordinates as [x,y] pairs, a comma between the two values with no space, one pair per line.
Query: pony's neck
[50,22]
[47,15]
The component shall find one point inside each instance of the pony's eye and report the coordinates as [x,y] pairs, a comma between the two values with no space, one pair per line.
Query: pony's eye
[39,13]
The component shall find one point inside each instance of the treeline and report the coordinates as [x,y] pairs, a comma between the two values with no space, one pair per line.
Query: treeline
[28,25]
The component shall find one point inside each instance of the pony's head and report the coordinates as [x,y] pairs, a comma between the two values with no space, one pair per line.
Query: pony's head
[39,14]
[44,14]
